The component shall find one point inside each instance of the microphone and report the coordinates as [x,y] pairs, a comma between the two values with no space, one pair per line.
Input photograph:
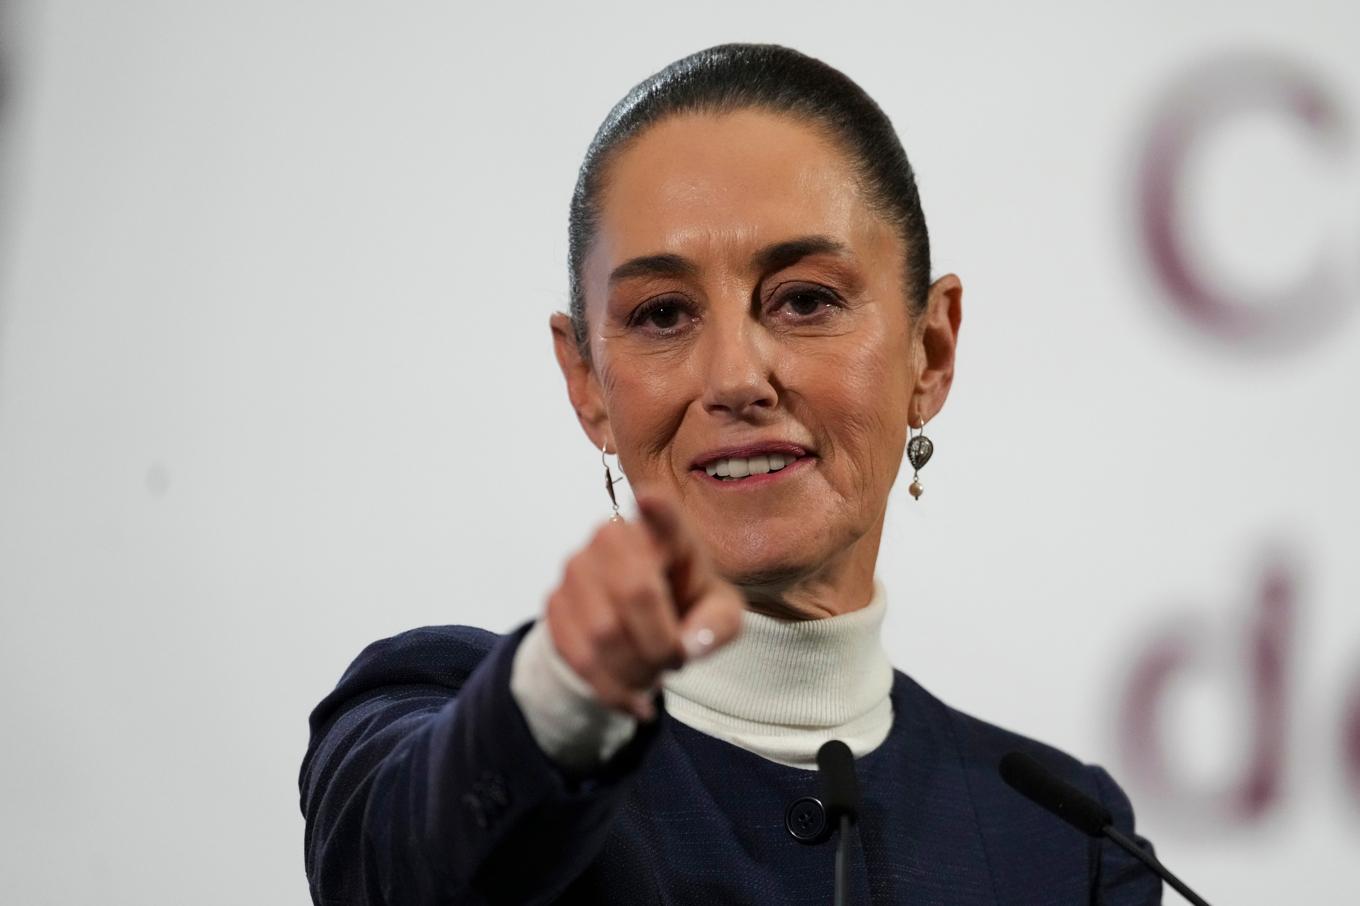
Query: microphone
[1024,774]
[840,786]
[840,797]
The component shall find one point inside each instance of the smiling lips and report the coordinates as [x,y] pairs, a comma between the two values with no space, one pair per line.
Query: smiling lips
[741,467]
[749,462]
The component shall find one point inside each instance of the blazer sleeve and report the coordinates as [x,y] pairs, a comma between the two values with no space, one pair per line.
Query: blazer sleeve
[1122,880]
[422,783]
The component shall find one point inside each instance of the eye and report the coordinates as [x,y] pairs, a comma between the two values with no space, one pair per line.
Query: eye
[662,316]
[807,302]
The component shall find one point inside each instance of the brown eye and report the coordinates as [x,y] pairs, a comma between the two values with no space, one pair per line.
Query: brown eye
[661,316]
[807,302]
[664,315]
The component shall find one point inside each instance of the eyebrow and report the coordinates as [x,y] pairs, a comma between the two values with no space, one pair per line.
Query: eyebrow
[782,254]
[771,258]
[653,266]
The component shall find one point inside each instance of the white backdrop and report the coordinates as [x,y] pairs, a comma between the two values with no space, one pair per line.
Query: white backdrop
[275,381]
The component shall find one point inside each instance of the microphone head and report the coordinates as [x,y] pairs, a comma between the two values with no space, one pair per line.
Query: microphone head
[1024,774]
[840,787]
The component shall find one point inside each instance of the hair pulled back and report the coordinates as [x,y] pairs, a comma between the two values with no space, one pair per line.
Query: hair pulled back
[732,77]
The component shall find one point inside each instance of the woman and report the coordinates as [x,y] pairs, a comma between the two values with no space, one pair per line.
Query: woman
[753,330]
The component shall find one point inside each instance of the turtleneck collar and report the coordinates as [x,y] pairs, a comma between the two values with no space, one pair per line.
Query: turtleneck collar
[784,687]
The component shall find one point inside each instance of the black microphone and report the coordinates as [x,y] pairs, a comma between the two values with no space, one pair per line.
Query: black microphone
[840,797]
[1024,774]
[840,786]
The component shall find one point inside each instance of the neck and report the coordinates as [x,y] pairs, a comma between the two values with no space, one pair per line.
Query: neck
[784,687]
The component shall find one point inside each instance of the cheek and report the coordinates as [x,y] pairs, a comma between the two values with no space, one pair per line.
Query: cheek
[645,405]
[860,397]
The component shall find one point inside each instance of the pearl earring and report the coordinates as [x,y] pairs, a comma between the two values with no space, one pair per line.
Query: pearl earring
[919,450]
[609,481]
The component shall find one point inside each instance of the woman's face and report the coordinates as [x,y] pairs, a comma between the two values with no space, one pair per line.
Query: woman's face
[747,315]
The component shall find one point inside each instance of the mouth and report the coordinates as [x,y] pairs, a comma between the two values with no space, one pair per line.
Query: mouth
[752,463]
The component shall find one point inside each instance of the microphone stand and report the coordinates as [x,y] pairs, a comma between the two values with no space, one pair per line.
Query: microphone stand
[1152,862]
[1024,773]
[842,860]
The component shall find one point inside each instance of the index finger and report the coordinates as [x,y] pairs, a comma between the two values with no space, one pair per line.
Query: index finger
[688,567]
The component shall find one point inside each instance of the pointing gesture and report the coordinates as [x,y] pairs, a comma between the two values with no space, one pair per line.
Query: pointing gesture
[639,599]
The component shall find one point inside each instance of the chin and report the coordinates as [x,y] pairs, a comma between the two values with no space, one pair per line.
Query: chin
[766,561]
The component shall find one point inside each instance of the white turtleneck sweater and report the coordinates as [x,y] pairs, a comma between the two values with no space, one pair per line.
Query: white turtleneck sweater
[780,690]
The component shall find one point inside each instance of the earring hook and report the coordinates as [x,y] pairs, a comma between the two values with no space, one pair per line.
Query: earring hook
[609,482]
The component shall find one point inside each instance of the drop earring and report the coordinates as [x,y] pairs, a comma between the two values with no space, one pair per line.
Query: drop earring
[609,481]
[919,450]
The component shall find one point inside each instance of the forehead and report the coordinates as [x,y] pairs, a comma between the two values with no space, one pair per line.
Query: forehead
[716,186]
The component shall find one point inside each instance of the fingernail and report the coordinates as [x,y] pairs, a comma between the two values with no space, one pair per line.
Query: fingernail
[645,708]
[697,642]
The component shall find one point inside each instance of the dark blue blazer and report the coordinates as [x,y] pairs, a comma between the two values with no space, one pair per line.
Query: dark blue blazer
[423,785]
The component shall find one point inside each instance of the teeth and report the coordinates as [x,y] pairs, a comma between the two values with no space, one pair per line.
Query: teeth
[742,467]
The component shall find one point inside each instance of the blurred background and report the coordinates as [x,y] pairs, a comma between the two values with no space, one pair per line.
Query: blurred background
[276,381]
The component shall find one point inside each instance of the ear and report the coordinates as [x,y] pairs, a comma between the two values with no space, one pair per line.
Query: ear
[583,387]
[937,338]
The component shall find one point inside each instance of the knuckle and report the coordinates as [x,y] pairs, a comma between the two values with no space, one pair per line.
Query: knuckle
[639,589]
[603,629]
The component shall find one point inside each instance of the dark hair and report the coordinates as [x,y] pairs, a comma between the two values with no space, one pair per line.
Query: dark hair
[733,77]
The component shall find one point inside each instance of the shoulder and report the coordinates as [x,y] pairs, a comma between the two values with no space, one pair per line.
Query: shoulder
[980,746]
[1027,848]
[439,658]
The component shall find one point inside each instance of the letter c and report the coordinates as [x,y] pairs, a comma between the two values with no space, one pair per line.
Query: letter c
[1195,105]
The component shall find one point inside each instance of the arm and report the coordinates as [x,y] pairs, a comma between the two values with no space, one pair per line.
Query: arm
[567,720]
[425,789]
[424,783]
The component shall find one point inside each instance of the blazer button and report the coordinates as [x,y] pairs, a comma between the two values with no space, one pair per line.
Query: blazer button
[493,789]
[474,804]
[488,798]
[805,819]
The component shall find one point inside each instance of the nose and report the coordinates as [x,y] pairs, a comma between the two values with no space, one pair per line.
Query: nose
[739,367]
